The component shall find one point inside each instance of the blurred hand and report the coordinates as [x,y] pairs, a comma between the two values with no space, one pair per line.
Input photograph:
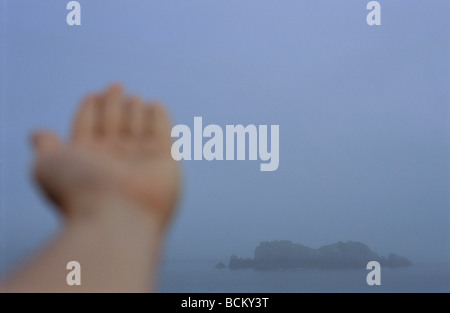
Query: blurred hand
[119,150]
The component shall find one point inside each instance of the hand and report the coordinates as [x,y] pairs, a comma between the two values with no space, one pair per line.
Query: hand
[120,149]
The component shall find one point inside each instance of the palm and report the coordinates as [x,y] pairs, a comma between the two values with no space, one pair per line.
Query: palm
[118,147]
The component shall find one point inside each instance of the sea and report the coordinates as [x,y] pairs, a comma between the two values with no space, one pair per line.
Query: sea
[200,276]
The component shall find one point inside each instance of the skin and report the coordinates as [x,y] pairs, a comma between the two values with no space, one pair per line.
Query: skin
[117,186]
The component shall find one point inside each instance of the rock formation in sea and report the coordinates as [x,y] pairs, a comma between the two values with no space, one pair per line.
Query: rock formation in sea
[288,255]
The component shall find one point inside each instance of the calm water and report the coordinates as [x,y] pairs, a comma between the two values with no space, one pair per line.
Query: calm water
[200,276]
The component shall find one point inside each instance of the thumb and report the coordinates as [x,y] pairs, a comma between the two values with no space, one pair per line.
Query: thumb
[45,142]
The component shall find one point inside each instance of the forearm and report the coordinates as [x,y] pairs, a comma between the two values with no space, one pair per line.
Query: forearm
[116,184]
[117,248]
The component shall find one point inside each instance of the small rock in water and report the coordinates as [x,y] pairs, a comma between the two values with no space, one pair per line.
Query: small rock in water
[220,266]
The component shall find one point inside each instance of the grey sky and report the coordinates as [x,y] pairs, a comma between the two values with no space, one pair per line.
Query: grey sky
[363,114]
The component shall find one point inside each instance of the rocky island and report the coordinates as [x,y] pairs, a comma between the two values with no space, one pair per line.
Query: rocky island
[272,255]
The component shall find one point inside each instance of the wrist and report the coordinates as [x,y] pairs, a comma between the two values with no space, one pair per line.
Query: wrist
[113,213]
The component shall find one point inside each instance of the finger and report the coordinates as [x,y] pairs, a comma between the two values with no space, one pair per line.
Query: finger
[45,142]
[85,122]
[134,122]
[157,129]
[161,122]
[156,121]
[113,111]
[147,127]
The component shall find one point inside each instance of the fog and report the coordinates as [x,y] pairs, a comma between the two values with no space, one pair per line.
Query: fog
[363,113]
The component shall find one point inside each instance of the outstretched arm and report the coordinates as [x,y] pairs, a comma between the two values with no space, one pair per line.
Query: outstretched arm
[117,186]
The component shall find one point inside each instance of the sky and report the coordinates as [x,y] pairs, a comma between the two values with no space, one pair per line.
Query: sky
[363,113]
